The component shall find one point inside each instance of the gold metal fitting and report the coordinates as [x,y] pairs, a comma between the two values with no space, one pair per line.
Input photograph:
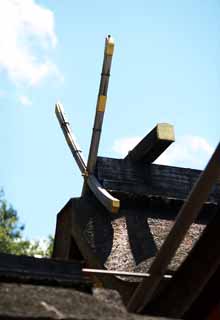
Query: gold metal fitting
[101,103]
[109,46]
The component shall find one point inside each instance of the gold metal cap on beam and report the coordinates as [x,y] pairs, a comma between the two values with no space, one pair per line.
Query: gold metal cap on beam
[109,45]
[165,131]
[115,206]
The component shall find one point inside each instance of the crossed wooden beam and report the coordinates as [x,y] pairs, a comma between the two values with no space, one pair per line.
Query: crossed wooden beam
[109,202]
[148,149]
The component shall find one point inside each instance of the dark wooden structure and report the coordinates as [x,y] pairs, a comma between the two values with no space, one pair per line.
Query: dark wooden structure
[148,231]
[151,197]
[39,271]
[137,216]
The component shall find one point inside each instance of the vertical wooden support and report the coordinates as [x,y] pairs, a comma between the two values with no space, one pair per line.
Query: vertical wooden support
[100,106]
[62,241]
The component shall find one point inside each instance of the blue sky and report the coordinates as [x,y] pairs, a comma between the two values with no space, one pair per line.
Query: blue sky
[165,69]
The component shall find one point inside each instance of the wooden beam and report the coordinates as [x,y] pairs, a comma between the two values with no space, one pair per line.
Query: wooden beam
[137,179]
[121,273]
[109,202]
[24,269]
[154,144]
[191,278]
[65,126]
[188,213]
[101,103]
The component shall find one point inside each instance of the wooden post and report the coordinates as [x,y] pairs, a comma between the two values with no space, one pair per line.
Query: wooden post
[188,213]
[101,103]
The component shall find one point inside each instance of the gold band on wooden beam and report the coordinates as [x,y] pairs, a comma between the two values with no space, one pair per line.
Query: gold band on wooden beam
[101,103]
[109,46]
[109,202]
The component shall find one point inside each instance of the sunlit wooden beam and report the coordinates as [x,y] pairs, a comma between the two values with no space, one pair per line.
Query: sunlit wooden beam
[154,144]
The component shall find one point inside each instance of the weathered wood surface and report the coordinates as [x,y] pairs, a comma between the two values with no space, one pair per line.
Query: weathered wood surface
[65,126]
[37,302]
[192,278]
[120,175]
[24,269]
[187,215]
[109,202]
[100,106]
[153,145]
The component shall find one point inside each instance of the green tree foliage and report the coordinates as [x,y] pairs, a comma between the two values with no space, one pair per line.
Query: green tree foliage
[49,249]
[11,234]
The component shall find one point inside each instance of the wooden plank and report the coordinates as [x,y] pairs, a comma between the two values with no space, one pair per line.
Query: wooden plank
[71,141]
[188,213]
[110,203]
[100,106]
[154,144]
[119,175]
[62,248]
[192,277]
[24,269]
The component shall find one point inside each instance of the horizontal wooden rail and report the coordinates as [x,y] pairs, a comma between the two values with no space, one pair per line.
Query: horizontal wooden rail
[121,273]
[138,179]
[42,271]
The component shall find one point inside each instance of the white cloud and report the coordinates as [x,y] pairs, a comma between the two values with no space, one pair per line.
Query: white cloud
[123,145]
[25,101]
[26,34]
[187,151]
